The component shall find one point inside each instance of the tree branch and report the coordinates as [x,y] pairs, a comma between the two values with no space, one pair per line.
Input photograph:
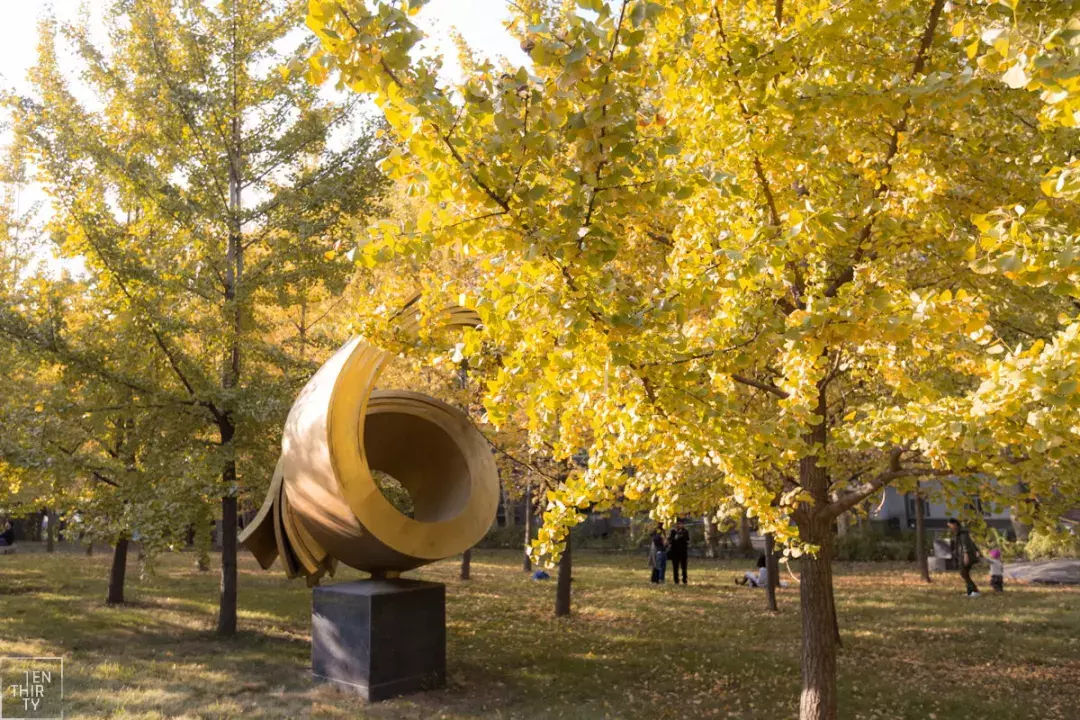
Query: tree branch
[158,339]
[102,479]
[444,137]
[848,273]
[841,505]
[759,170]
[701,355]
[603,114]
[507,455]
[767,387]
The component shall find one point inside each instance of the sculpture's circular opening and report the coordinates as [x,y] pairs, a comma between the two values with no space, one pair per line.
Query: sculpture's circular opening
[423,458]
[394,492]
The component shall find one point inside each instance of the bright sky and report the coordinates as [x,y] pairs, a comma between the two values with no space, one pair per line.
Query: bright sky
[479,21]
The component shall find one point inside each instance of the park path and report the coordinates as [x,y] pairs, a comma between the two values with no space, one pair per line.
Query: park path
[1058,572]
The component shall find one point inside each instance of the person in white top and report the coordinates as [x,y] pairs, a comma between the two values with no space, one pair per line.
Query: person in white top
[755,578]
[997,571]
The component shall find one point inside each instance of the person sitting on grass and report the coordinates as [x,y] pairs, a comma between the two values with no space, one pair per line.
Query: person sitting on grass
[966,554]
[756,578]
[997,571]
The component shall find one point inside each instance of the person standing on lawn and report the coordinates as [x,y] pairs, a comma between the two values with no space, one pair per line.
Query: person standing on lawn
[657,554]
[678,550]
[966,554]
[997,571]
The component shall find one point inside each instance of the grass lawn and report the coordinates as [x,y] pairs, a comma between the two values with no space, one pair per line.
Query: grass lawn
[631,650]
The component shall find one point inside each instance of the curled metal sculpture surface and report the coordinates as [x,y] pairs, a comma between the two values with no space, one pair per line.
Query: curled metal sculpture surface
[324,505]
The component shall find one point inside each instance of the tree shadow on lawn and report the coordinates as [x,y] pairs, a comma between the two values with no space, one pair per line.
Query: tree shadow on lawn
[166,667]
[630,649]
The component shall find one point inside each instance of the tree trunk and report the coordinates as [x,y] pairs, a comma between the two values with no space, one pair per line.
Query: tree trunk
[466,563]
[1021,529]
[202,537]
[526,564]
[90,549]
[562,587]
[920,537]
[819,630]
[144,564]
[227,598]
[230,377]
[710,536]
[772,569]
[842,524]
[50,540]
[745,543]
[119,571]
[508,508]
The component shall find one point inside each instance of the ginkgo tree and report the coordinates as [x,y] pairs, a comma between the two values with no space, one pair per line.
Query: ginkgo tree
[818,247]
[78,441]
[207,194]
[97,448]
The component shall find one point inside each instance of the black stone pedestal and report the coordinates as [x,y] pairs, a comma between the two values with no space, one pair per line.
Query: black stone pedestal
[379,638]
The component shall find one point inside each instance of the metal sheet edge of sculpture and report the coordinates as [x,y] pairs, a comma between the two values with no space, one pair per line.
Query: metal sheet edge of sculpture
[323,506]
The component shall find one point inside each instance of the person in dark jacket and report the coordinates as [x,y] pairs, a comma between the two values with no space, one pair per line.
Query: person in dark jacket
[966,554]
[678,550]
[657,554]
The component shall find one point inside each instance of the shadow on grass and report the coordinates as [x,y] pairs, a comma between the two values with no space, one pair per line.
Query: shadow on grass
[631,649]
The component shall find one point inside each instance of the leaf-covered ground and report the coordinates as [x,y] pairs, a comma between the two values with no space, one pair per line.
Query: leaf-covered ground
[631,650]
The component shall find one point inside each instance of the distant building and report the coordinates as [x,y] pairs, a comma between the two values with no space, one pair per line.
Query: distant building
[897,512]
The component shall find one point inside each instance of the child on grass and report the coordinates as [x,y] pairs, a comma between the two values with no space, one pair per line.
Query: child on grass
[997,571]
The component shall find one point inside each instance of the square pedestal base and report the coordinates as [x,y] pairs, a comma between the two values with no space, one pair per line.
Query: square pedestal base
[379,638]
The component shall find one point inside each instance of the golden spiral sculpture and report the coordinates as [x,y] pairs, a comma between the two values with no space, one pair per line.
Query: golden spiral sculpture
[324,506]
